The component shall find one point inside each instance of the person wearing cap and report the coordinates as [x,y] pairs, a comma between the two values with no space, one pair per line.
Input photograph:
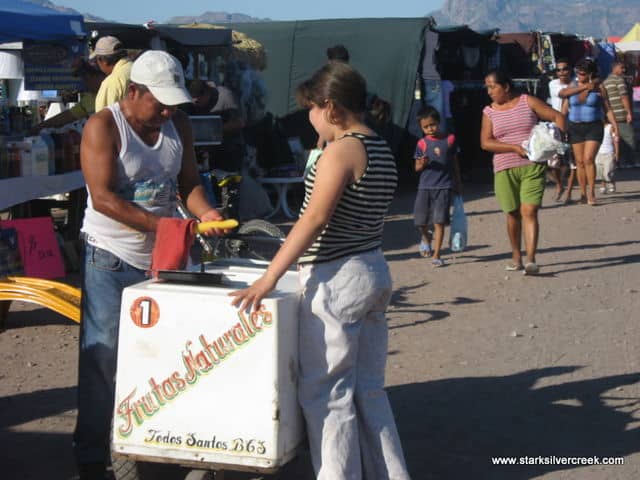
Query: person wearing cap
[112,59]
[205,96]
[92,78]
[136,155]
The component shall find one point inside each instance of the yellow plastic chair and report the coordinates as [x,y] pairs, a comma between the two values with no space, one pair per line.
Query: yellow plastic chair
[57,296]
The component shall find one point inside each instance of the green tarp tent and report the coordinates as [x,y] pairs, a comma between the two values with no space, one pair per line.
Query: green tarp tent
[385,50]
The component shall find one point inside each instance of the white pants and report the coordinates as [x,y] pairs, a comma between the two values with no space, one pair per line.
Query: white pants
[343,351]
[605,166]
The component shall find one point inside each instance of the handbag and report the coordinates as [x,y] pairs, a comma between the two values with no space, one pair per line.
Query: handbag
[458,230]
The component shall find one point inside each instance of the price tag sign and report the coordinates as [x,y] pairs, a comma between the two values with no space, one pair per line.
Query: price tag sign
[38,247]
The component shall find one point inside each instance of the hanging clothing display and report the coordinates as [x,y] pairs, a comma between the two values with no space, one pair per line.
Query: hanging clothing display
[519,51]
[464,54]
[429,69]
[547,60]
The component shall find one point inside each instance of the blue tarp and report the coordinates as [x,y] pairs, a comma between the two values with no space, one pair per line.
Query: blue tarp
[21,20]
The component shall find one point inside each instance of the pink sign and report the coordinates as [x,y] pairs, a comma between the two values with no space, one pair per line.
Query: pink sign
[38,247]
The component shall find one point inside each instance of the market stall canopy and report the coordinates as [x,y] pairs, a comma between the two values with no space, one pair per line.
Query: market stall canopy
[192,37]
[243,47]
[632,35]
[633,46]
[140,36]
[631,41]
[466,32]
[387,51]
[21,20]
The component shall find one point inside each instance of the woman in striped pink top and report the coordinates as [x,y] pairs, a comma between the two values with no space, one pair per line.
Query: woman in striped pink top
[518,182]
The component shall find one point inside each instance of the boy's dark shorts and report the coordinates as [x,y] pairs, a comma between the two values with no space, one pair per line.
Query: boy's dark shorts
[432,206]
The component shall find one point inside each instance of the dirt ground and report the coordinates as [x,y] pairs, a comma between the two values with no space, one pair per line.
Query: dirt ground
[482,362]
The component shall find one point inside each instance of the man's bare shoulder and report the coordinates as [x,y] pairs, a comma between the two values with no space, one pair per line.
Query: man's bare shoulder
[101,131]
[100,121]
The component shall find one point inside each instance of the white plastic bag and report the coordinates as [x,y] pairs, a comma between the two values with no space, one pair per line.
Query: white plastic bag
[458,230]
[545,144]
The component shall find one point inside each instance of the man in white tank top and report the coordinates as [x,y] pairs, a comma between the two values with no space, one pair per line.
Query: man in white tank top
[136,155]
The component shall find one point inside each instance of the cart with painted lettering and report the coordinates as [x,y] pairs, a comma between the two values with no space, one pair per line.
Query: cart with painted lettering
[201,384]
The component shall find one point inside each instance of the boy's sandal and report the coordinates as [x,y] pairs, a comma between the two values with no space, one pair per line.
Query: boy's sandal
[437,262]
[425,250]
[513,267]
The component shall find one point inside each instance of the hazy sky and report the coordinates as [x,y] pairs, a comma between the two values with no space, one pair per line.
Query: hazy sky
[140,11]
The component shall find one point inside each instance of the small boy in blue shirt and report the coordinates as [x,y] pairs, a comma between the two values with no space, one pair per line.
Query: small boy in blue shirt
[436,160]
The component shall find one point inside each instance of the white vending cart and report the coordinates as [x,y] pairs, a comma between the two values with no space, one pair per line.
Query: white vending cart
[202,384]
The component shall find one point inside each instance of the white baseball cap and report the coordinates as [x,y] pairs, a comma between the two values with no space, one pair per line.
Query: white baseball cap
[162,74]
[106,46]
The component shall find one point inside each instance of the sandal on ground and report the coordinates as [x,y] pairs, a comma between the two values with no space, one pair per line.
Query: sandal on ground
[437,262]
[531,268]
[583,200]
[558,197]
[425,250]
[513,267]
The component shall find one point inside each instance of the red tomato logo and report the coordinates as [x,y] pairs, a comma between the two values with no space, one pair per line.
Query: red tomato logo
[145,312]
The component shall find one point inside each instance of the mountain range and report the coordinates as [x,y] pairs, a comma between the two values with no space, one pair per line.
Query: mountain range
[611,18]
[87,16]
[614,17]
[216,17]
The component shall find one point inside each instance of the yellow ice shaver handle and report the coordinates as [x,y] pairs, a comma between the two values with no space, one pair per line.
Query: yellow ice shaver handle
[221,224]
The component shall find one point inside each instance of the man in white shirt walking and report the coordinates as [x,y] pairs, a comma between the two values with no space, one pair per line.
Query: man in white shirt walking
[563,71]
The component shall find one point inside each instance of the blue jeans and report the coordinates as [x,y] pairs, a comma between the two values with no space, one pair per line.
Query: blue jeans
[105,276]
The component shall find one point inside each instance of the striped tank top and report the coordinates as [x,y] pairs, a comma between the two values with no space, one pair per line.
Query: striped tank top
[356,223]
[512,126]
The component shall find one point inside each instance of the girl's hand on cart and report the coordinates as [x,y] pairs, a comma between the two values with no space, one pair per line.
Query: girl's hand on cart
[253,295]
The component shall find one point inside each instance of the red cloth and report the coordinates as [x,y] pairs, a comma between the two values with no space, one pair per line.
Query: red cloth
[174,238]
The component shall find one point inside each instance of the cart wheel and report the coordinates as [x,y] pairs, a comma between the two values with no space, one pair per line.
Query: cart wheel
[201,475]
[257,239]
[124,469]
